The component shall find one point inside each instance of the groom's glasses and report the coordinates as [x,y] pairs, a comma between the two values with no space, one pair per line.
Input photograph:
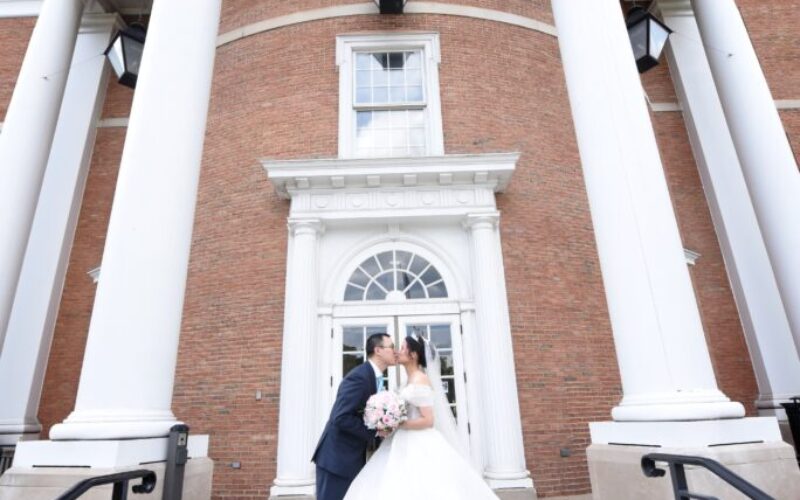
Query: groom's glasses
[387,346]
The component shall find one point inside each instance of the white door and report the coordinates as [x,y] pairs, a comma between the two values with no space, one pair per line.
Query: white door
[349,351]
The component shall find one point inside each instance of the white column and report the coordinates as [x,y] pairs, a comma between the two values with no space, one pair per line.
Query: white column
[28,134]
[769,337]
[128,371]
[765,155]
[664,362]
[501,424]
[297,421]
[30,328]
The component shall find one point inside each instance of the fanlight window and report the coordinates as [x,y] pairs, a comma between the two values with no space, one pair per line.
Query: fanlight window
[398,273]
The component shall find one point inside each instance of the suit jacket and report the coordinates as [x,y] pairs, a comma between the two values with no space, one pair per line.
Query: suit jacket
[343,445]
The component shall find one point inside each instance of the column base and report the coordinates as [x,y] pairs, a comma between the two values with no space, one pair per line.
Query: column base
[86,425]
[303,491]
[28,483]
[615,471]
[683,409]
[101,454]
[701,433]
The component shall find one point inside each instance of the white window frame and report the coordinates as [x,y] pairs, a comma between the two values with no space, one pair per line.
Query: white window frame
[428,43]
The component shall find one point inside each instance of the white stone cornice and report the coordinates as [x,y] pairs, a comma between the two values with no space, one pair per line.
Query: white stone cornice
[485,170]
[369,8]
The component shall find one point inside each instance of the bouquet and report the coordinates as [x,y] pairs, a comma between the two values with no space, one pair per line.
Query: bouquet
[385,411]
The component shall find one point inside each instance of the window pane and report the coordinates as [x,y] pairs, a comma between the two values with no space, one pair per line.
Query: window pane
[353,293]
[350,361]
[396,78]
[352,338]
[380,61]
[359,277]
[363,60]
[447,364]
[380,77]
[416,137]
[396,60]
[403,280]
[437,291]
[363,78]
[403,258]
[450,389]
[413,60]
[414,77]
[363,119]
[430,276]
[363,96]
[418,265]
[440,336]
[414,94]
[386,258]
[380,95]
[417,291]
[374,292]
[370,266]
[397,94]
[387,280]
[416,118]
[371,330]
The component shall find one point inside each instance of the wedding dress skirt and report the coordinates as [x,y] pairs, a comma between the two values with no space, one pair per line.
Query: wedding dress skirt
[418,464]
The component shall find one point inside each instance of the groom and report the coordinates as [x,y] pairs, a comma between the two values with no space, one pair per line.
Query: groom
[341,450]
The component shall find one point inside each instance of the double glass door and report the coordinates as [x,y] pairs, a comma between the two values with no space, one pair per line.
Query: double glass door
[350,338]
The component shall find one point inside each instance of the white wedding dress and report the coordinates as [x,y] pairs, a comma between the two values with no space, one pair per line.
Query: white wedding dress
[418,464]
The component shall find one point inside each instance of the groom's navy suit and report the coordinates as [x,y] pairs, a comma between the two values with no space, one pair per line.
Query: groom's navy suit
[341,450]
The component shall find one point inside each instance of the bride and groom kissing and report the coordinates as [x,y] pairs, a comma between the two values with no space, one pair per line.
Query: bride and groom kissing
[426,451]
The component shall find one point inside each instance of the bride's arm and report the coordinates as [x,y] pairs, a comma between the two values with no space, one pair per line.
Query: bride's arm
[425,421]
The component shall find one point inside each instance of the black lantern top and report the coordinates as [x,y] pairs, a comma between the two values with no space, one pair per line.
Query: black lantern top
[391,6]
[125,54]
[648,36]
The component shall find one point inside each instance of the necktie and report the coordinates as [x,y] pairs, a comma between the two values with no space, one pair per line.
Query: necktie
[379,383]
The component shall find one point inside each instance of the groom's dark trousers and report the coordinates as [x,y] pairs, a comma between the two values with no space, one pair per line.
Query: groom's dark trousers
[341,450]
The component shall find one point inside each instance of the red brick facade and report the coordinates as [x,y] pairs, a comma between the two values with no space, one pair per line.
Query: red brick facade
[275,95]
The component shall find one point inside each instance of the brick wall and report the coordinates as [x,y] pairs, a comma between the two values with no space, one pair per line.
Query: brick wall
[275,95]
[14,36]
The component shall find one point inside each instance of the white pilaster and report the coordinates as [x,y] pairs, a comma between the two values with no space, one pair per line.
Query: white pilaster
[297,421]
[30,328]
[28,134]
[766,158]
[128,371]
[769,337]
[502,427]
[664,362]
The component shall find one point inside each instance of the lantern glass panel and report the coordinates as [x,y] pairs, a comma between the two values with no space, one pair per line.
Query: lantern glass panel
[133,54]
[638,36]
[658,38]
[116,58]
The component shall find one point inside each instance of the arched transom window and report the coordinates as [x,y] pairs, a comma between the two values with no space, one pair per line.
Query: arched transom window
[395,274]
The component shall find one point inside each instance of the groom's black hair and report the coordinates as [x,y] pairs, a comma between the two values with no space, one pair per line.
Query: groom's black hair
[374,341]
[417,345]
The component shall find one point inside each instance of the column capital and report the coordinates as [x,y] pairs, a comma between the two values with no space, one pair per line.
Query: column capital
[305,226]
[488,220]
[676,7]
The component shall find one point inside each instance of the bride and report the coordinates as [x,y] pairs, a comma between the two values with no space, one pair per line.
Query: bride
[426,450]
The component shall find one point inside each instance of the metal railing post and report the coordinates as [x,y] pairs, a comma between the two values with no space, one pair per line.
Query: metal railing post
[177,456]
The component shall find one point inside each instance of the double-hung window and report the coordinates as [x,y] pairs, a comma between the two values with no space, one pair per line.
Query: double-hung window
[389,96]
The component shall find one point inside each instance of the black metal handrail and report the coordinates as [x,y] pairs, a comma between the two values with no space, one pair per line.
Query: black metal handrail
[119,480]
[679,485]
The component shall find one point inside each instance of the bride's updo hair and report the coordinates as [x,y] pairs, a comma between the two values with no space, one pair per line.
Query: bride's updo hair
[416,344]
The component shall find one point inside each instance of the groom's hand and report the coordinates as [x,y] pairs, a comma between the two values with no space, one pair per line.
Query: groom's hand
[383,434]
